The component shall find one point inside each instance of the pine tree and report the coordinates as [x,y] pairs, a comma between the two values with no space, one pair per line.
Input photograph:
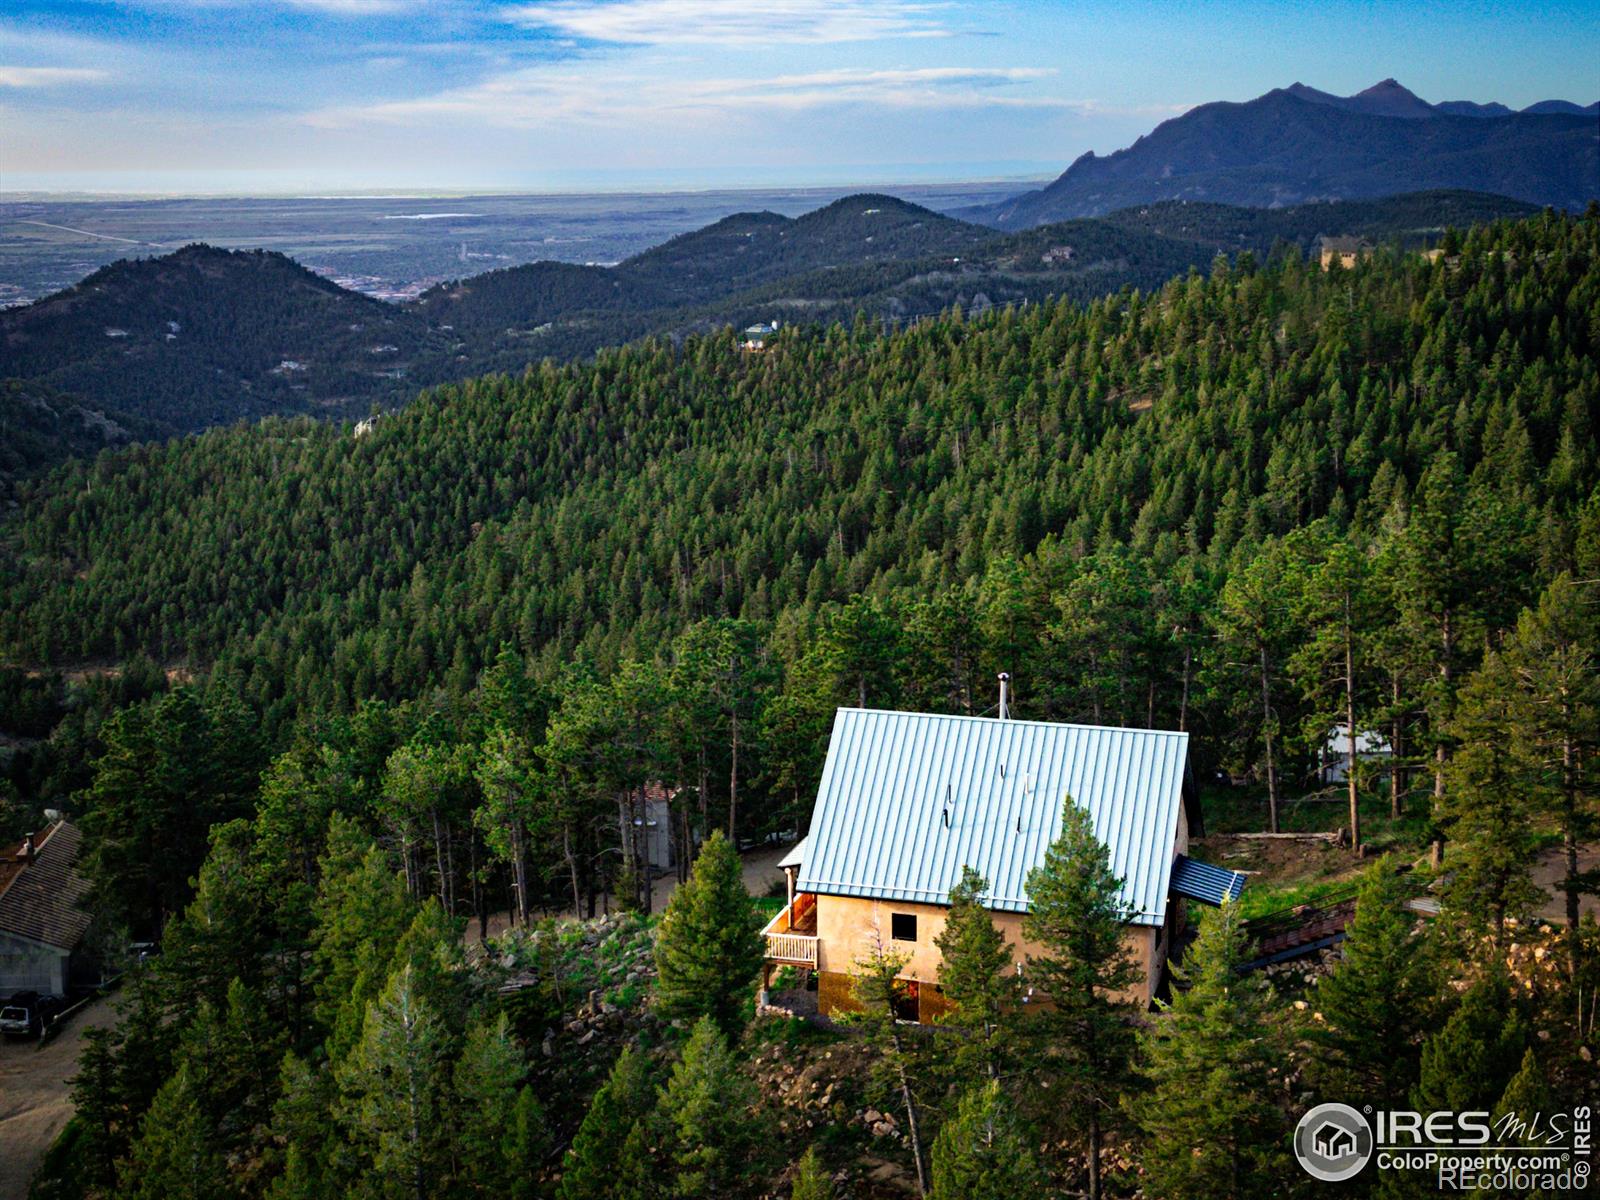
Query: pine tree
[641,1172]
[706,1107]
[1488,807]
[1211,1130]
[589,1170]
[488,1078]
[361,912]
[1380,1000]
[176,1156]
[1554,657]
[506,775]
[1522,1116]
[881,994]
[525,1146]
[299,1180]
[393,1088]
[708,948]
[811,1179]
[973,965]
[1084,972]
[980,1154]
[232,1057]
[1253,627]
[1335,604]
[302,1121]
[96,1108]
[1471,1058]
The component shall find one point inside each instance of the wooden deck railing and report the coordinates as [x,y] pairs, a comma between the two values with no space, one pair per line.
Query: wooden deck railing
[792,948]
[784,944]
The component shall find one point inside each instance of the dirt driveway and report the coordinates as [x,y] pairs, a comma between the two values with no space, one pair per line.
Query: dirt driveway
[33,1096]
[1551,868]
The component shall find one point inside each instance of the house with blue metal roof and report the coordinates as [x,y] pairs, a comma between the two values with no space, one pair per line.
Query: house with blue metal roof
[907,800]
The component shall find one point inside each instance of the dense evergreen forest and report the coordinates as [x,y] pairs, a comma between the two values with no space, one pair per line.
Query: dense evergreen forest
[318,699]
[203,337]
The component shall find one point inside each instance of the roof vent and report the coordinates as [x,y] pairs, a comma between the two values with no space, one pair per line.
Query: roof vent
[1005,687]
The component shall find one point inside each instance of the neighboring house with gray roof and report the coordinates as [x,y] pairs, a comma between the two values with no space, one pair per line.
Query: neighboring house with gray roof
[907,800]
[42,919]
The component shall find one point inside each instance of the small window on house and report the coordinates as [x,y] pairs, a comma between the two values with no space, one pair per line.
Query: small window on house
[903,927]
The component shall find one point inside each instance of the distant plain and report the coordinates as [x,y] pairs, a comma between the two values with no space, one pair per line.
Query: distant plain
[392,247]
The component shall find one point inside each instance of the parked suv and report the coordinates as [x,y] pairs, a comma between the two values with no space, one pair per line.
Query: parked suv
[24,1014]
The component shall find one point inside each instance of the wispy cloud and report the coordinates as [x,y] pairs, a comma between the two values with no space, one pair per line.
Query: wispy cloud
[44,77]
[733,22]
[536,96]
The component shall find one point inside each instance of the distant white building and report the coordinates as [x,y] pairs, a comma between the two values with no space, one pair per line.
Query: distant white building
[1333,763]
[755,336]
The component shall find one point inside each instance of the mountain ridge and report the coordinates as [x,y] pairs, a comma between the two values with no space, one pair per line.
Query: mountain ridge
[1298,145]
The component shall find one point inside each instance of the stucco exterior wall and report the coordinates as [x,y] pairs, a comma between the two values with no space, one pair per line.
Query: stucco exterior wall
[848,927]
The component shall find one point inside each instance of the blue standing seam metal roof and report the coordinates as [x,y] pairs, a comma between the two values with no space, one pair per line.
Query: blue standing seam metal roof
[1204,882]
[907,799]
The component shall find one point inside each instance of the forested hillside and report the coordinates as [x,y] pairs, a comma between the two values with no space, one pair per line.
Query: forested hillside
[340,693]
[203,337]
[39,425]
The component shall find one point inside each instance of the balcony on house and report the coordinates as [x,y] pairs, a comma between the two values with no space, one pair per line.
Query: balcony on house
[791,935]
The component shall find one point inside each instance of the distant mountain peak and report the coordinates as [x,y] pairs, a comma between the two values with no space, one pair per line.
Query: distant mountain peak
[1299,144]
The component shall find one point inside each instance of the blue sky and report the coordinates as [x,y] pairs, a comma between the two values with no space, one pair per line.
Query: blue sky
[337,95]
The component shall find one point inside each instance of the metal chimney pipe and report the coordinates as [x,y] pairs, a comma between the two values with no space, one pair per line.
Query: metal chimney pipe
[1005,684]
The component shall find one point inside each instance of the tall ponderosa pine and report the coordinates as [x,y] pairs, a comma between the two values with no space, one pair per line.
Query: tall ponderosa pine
[981,1154]
[708,949]
[497,1156]
[1335,605]
[705,1109]
[171,769]
[176,1156]
[589,1171]
[974,959]
[1380,1000]
[1488,806]
[1084,972]
[394,1091]
[1254,635]
[1554,660]
[506,774]
[1470,1060]
[882,996]
[1211,1127]
[361,911]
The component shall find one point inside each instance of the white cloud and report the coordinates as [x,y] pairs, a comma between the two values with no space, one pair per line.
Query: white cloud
[732,22]
[536,96]
[38,77]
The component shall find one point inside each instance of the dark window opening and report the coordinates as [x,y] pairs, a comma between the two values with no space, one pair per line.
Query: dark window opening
[903,927]
[905,1001]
